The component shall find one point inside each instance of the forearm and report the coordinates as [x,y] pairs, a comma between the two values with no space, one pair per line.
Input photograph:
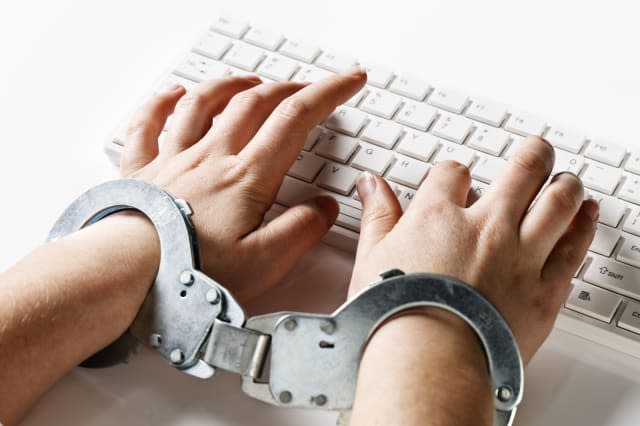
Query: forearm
[423,369]
[68,299]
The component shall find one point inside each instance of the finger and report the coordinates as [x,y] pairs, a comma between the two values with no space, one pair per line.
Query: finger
[550,216]
[287,237]
[513,190]
[195,110]
[283,134]
[380,210]
[245,114]
[569,252]
[447,181]
[141,138]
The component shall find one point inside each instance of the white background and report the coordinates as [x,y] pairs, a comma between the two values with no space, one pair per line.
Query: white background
[70,71]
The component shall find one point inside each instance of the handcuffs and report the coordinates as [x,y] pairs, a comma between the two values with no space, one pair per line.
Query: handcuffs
[287,359]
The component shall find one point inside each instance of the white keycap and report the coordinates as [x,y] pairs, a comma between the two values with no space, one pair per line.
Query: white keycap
[525,124]
[372,158]
[608,153]
[452,127]
[448,100]
[605,240]
[278,68]
[382,132]
[263,38]
[418,145]
[592,301]
[244,56]
[489,140]
[173,79]
[310,74]
[614,276]
[355,99]
[405,197]
[487,168]
[611,209]
[346,120]
[338,178]
[212,45]
[408,171]
[601,178]
[630,251]
[569,141]
[630,190]
[381,103]
[199,68]
[632,223]
[417,115]
[488,113]
[516,142]
[478,187]
[293,191]
[336,147]
[306,167]
[229,27]
[378,76]
[335,62]
[301,51]
[312,138]
[567,162]
[459,153]
[633,163]
[348,222]
[410,86]
[630,318]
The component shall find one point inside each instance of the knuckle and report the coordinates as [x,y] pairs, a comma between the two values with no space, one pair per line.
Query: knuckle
[378,215]
[248,99]
[292,109]
[564,197]
[194,99]
[532,161]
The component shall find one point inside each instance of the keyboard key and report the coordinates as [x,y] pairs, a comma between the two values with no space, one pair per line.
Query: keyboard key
[382,132]
[312,138]
[611,209]
[630,251]
[452,127]
[630,190]
[559,138]
[346,120]
[610,154]
[632,224]
[459,153]
[378,76]
[448,100]
[355,99]
[488,113]
[212,45]
[336,147]
[311,74]
[229,27]
[487,168]
[592,301]
[173,79]
[489,140]
[405,197]
[516,141]
[244,56]
[566,162]
[335,62]
[614,276]
[418,145]
[630,318]
[478,187]
[199,68]
[408,171]
[605,240]
[633,164]
[372,158]
[601,178]
[264,38]
[306,167]
[293,191]
[525,124]
[338,178]
[300,51]
[278,68]
[410,86]
[417,115]
[381,103]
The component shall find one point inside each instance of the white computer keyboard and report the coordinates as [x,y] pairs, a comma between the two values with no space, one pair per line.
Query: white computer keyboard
[399,125]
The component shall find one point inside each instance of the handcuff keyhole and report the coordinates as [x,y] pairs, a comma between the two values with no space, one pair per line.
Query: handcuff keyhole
[326,345]
[183,293]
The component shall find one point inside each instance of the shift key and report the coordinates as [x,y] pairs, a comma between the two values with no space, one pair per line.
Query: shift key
[615,276]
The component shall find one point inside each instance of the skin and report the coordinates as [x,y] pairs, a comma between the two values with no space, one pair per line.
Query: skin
[230,173]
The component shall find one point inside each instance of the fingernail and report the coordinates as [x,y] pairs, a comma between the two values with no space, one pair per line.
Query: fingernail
[329,207]
[592,209]
[355,70]
[253,78]
[366,185]
[173,88]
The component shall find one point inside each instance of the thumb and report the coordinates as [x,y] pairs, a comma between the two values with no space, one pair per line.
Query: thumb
[380,210]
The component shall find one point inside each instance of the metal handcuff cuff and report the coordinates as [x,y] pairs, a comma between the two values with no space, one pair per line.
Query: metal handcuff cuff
[287,358]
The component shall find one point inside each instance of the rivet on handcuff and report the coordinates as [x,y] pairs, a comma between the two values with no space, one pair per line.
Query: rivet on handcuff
[287,358]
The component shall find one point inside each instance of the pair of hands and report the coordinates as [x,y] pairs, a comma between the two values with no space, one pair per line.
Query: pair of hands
[521,257]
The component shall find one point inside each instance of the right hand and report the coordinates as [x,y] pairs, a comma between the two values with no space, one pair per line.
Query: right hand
[519,254]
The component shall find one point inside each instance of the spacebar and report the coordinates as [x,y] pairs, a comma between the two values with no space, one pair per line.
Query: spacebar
[615,276]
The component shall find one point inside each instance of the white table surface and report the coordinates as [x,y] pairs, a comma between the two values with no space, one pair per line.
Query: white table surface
[71,70]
